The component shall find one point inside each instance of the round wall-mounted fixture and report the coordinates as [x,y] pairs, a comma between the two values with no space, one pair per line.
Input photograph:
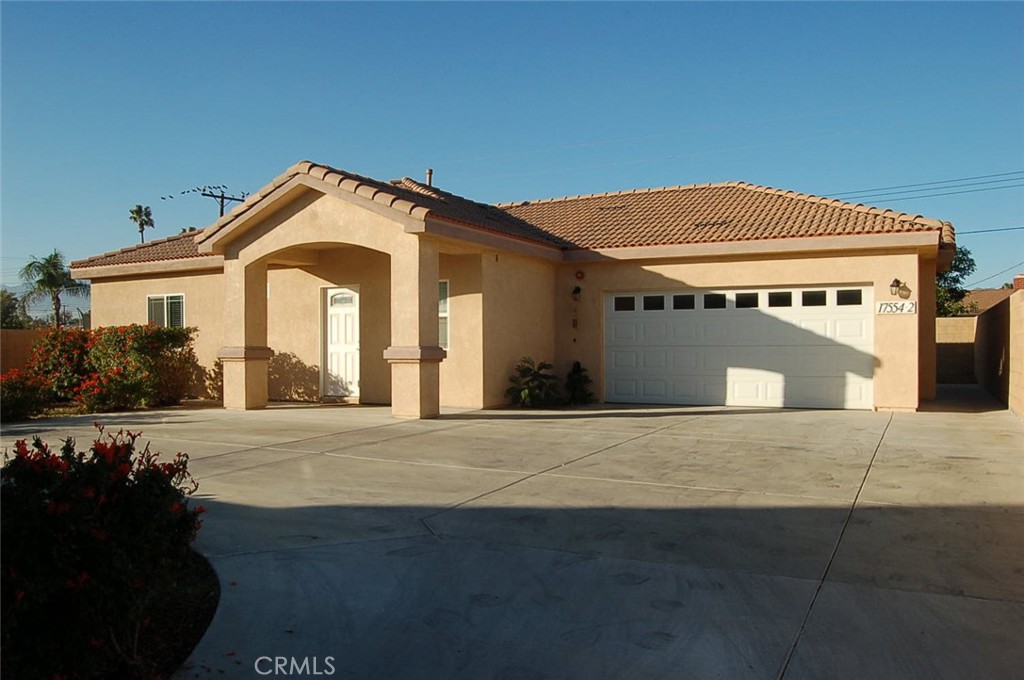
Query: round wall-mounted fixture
[580,275]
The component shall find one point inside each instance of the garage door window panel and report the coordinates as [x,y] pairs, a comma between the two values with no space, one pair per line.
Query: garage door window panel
[714,300]
[848,298]
[747,300]
[654,303]
[625,304]
[683,302]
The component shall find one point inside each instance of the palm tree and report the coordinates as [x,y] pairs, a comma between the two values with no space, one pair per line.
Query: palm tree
[49,277]
[142,216]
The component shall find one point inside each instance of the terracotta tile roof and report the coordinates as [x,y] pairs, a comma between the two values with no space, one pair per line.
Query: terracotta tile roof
[699,213]
[709,213]
[405,195]
[181,246]
[986,298]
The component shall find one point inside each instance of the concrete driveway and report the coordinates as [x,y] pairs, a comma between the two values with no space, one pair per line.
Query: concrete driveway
[606,542]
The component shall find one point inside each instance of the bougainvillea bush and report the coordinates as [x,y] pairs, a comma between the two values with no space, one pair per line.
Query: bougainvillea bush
[22,394]
[113,368]
[137,366]
[61,358]
[89,542]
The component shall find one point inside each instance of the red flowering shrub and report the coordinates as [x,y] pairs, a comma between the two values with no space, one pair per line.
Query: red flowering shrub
[61,359]
[136,366]
[22,394]
[113,368]
[87,539]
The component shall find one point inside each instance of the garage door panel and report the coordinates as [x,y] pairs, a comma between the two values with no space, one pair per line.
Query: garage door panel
[625,359]
[850,329]
[655,332]
[655,390]
[655,358]
[715,331]
[624,331]
[685,332]
[624,388]
[787,356]
[685,390]
[685,359]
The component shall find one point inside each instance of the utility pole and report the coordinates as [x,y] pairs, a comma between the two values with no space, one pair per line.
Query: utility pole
[217,192]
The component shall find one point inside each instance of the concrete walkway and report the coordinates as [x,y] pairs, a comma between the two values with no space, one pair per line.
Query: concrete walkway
[607,542]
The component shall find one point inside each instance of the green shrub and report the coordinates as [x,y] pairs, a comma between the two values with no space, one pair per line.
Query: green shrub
[576,384]
[22,394]
[532,384]
[88,539]
[137,366]
[61,359]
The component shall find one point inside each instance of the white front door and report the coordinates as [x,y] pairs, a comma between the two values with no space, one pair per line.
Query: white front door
[340,374]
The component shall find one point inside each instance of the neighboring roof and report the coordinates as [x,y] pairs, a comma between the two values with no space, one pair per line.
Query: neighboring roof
[680,215]
[711,213]
[177,247]
[987,298]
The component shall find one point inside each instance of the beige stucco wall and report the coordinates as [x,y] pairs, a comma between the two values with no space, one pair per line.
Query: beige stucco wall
[954,337]
[461,371]
[992,350]
[16,346]
[118,302]
[897,337]
[999,351]
[925,293]
[1015,395]
[519,303]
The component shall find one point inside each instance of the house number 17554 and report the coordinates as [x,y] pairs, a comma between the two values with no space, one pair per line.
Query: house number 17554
[900,307]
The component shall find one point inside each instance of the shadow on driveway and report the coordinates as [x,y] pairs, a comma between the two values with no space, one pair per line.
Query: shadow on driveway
[413,591]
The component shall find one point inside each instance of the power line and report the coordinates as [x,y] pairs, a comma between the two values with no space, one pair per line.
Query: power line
[921,184]
[952,186]
[947,193]
[988,231]
[988,278]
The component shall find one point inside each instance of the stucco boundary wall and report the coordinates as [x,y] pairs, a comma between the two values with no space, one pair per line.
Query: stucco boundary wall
[16,346]
[999,351]
[954,340]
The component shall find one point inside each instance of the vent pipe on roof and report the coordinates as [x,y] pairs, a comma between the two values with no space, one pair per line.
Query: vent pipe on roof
[430,177]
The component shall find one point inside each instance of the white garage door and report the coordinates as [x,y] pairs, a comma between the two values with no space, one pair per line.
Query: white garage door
[795,347]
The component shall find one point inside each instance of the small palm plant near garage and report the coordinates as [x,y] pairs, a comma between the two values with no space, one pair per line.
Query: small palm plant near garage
[577,385]
[532,384]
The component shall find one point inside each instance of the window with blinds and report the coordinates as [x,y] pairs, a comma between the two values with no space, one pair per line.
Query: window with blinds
[167,310]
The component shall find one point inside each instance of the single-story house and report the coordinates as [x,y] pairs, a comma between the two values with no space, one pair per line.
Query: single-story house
[400,293]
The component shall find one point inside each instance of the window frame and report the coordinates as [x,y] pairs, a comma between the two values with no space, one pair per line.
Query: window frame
[166,309]
[444,342]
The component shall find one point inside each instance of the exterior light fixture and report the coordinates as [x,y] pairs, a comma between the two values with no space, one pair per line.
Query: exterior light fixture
[895,286]
[576,293]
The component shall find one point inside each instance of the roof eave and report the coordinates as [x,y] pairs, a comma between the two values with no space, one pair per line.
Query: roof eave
[180,266]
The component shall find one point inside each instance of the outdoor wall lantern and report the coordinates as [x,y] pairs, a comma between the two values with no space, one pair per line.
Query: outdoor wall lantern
[576,293]
[895,286]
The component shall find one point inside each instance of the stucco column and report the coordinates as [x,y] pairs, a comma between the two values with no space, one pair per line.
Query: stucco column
[245,354]
[414,354]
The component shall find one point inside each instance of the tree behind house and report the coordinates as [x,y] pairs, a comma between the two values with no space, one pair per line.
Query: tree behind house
[949,286]
[48,278]
[142,216]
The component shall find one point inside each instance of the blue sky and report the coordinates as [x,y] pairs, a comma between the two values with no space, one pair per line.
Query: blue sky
[105,105]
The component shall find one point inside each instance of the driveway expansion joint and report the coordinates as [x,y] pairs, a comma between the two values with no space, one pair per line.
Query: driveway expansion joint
[835,549]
